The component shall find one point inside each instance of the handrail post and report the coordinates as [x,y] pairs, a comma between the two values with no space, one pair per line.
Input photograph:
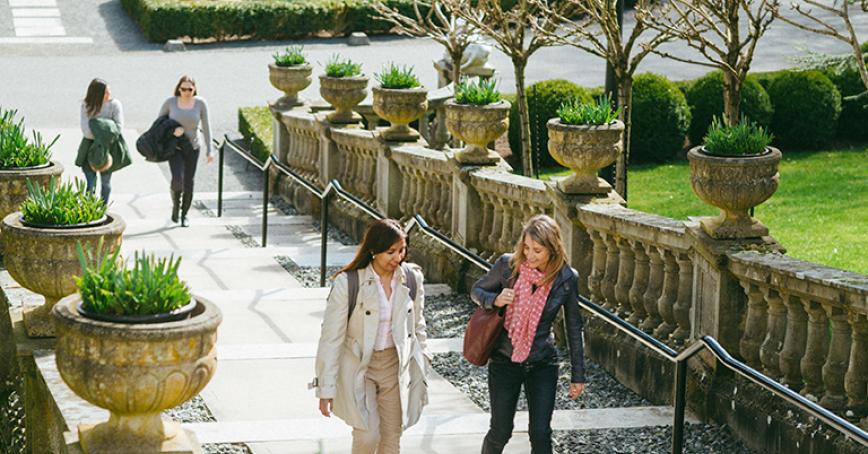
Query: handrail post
[265,181]
[221,151]
[680,406]
[324,227]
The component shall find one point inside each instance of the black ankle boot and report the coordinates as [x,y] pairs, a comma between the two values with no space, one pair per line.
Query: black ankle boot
[187,200]
[176,205]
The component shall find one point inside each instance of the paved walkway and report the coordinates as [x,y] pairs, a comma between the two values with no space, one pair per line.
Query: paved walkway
[267,342]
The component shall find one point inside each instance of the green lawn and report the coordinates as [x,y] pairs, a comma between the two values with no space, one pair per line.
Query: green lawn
[819,213]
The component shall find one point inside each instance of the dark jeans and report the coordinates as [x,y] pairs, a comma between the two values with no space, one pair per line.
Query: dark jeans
[105,182]
[183,166]
[505,380]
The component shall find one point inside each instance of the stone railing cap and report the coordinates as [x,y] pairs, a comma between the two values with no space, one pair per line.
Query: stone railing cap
[802,270]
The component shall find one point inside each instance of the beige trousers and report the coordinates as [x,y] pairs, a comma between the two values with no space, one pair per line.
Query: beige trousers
[384,403]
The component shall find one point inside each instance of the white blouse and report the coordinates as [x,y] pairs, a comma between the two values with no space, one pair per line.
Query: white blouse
[384,330]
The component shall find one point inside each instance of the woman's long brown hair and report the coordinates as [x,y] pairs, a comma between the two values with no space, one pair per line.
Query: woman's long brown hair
[379,237]
[94,97]
[545,231]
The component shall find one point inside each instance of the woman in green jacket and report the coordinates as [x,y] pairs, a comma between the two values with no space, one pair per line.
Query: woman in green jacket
[110,153]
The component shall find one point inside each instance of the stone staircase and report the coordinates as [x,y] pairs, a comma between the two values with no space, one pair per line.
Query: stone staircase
[267,342]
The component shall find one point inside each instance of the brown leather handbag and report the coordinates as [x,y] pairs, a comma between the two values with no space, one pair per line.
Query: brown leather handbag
[481,334]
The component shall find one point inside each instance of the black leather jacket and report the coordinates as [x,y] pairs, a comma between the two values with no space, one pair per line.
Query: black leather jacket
[159,143]
[564,293]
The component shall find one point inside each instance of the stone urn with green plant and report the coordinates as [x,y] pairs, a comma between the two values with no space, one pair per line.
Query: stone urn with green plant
[135,342]
[41,241]
[585,138]
[290,73]
[22,159]
[344,87]
[734,170]
[477,116]
[399,99]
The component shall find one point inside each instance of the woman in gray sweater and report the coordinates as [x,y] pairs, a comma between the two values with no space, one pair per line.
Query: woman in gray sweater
[98,103]
[191,112]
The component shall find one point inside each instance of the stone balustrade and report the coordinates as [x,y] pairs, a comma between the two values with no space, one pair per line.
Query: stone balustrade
[641,269]
[357,166]
[806,325]
[302,149]
[426,185]
[506,202]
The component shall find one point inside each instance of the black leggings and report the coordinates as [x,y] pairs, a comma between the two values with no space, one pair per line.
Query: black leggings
[183,166]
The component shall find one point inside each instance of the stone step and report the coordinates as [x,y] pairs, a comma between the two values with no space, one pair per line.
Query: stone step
[410,444]
[431,426]
[276,389]
[235,352]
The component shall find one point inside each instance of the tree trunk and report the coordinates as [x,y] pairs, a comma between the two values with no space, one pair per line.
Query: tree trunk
[625,101]
[456,70]
[523,117]
[731,98]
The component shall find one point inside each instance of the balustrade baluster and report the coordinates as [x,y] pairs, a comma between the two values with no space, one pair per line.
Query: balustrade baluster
[667,296]
[505,239]
[611,276]
[775,330]
[794,342]
[640,283]
[836,361]
[497,223]
[598,267]
[406,183]
[625,277]
[754,325]
[681,309]
[856,379]
[816,349]
[488,209]
[653,292]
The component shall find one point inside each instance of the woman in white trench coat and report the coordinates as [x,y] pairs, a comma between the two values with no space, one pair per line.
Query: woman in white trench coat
[372,360]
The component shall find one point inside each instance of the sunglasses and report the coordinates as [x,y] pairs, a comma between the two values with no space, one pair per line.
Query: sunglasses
[186,89]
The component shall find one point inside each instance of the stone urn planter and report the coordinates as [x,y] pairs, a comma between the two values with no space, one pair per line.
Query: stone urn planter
[44,260]
[13,186]
[135,371]
[477,126]
[585,149]
[290,80]
[400,107]
[734,184]
[343,93]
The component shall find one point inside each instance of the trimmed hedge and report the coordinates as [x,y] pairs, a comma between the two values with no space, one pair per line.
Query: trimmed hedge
[807,106]
[660,119]
[254,123]
[705,97]
[854,114]
[543,100]
[161,20]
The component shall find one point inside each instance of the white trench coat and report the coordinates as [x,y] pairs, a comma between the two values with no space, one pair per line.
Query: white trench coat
[345,348]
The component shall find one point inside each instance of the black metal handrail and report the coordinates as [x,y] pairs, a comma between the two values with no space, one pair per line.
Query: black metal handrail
[261,166]
[679,358]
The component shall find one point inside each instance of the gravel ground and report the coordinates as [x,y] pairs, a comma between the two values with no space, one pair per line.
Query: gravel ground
[308,276]
[698,438]
[602,390]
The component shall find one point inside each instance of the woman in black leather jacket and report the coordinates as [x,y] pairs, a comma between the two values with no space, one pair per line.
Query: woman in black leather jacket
[531,285]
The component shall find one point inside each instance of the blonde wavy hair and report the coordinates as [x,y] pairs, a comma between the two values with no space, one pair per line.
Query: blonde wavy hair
[545,231]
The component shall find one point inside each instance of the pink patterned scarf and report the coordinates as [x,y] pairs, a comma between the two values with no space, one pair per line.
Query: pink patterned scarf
[522,316]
